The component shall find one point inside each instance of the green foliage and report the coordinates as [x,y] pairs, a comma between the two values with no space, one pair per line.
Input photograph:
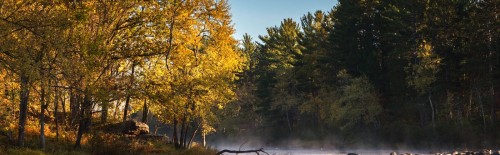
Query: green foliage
[356,101]
[403,72]
[74,58]
[418,69]
[423,74]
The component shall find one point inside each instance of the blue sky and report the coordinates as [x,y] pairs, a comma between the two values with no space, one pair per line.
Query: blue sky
[254,16]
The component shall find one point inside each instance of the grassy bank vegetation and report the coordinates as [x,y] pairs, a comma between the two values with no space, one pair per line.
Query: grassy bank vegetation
[97,142]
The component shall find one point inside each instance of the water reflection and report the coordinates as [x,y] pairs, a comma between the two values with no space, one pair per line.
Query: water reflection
[337,152]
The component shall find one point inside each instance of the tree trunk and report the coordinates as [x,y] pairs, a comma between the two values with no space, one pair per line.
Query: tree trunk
[182,139]
[117,104]
[125,109]
[481,106]
[183,126]
[184,143]
[74,103]
[433,111]
[175,138]
[203,139]
[145,111]
[288,122]
[127,100]
[104,112]
[23,108]
[491,68]
[42,117]
[194,134]
[493,105]
[469,108]
[86,115]
[56,109]
[80,130]
[63,106]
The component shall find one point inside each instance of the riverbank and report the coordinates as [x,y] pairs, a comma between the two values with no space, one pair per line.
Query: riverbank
[95,143]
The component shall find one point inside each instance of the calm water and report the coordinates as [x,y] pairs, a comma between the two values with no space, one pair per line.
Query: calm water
[335,152]
[329,151]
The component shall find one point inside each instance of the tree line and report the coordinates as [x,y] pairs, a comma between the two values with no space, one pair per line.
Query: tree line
[421,73]
[77,64]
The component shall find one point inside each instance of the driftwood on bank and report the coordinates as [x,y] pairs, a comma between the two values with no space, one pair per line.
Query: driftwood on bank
[245,151]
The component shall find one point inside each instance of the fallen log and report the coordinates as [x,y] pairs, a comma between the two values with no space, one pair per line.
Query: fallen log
[245,151]
[9,136]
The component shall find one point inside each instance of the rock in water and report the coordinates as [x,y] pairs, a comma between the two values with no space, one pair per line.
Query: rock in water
[352,154]
[133,127]
[469,153]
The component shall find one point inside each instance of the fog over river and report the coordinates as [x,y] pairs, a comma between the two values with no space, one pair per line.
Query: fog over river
[277,151]
[338,152]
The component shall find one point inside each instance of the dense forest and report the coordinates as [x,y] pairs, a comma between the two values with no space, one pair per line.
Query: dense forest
[374,73]
[69,66]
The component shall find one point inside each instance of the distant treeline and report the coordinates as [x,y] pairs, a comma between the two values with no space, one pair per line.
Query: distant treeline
[421,73]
